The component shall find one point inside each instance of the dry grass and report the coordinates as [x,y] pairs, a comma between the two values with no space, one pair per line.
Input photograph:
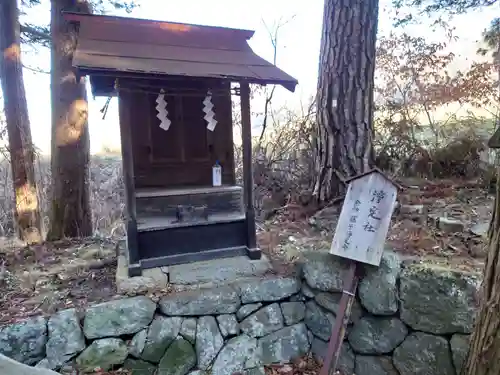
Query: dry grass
[45,278]
[106,195]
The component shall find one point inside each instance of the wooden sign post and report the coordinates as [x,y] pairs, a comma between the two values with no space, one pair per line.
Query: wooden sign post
[360,238]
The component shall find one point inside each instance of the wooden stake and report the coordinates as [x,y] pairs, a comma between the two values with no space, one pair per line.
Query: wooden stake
[341,320]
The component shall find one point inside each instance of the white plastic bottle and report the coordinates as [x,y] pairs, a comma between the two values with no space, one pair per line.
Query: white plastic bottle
[217,174]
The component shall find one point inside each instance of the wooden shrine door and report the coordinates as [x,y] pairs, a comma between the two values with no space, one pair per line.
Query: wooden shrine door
[184,150]
[184,154]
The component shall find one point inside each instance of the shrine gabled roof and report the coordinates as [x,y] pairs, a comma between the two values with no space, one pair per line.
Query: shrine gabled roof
[131,45]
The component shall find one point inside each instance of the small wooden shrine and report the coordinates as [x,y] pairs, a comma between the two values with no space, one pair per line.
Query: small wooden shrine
[174,84]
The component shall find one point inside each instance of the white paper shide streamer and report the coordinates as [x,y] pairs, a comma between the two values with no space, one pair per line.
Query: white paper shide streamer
[162,115]
[208,107]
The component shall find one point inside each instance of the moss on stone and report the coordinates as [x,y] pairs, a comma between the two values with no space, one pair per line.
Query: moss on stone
[138,367]
[179,358]
[103,354]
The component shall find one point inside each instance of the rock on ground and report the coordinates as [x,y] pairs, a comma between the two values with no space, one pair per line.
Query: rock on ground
[44,363]
[136,345]
[331,302]
[297,298]
[318,348]
[103,354]
[239,353]
[268,290]
[450,225]
[138,367]
[319,321]
[246,310]
[324,271]
[24,342]
[137,284]
[345,362]
[293,312]
[188,329]
[221,300]
[161,333]
[412,210]
[228,325]
[374,365]
[255,371]
[378,290]
[284,345]
[217,271]
[423,354]
[264,321]
[179,358]
[459,349]
[307,291]
[9,366]
[480,229]
[65,338]
[325,219]
[209,341]
[438,301]
[373,335]
[120,317]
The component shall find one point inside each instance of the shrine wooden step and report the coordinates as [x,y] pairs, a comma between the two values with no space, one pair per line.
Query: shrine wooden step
[152,223]
[166,203]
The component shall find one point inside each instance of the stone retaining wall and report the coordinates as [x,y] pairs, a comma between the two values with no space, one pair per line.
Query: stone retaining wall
[410,320]
[407,320]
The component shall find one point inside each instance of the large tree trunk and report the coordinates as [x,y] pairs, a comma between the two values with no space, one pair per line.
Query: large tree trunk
[21,149]
[345,94]
[70,215]
[484,349]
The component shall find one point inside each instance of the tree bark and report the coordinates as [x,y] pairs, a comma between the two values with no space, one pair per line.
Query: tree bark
[21,149]
[70,214]
[484,348]
[345,94]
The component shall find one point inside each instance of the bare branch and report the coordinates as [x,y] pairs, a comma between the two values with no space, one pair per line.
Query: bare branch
[36,70]
[273,36]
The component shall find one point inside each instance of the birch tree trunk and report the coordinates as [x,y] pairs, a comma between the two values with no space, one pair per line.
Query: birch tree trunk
[21,149]
[70,208]
[345,94]
[484,349]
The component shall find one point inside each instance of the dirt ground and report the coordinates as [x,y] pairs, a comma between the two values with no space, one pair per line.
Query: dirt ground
[45,278]
[414,237]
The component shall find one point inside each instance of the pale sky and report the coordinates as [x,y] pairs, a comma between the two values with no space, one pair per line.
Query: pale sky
[298,49]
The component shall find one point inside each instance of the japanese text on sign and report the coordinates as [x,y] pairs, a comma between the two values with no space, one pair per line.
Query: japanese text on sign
[365,218]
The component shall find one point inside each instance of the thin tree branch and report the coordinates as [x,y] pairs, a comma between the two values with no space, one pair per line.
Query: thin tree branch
[36,70]
[273,35]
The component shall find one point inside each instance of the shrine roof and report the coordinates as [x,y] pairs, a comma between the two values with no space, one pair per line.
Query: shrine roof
[130,45]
